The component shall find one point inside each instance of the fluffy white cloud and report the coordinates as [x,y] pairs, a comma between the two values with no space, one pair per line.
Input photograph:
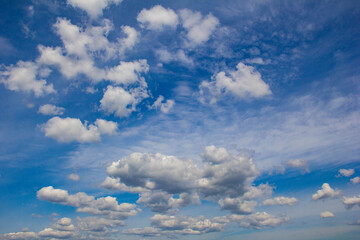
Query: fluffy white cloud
[105,206]
[326,192]
[131,39]
[355,180]
[74,177]
[327,214]
[298,163]
[49,109]
[281,201]
[199,28]
[121,102]
[164,107]
[72,130]
[346,172]
[243,83]
[53,233]
[258,220]
[24,77]
[351,201]
[127,72]
[94,8]
[21,236]
[157,18]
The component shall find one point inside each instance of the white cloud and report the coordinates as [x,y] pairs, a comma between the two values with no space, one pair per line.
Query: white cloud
[326,192]
[199,28]
[73,130]
[25,235]
[158,177]
[74,177]
[131,39]
[281,201]
[351,201]
[179,56]
[53,233]
[24,77]
[164,107]
[127,72]
[298,163]
[157,18]
[119,101]
[105,206]
[327,214]
[169,225]
[49,109]
[98,224]
[243,83]
[258,220]
[94,8]
[355,180]
[346,172]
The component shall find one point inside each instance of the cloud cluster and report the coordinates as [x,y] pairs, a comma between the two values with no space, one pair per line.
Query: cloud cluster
[229,176]
[163,106]
[73,130]
[169,225]
[104,206]
[157,18]
[326,192]
[346,172]
[351,201]
[243,83]
[26,77]
[62,229]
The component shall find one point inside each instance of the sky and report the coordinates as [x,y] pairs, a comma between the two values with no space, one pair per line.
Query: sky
[131,119]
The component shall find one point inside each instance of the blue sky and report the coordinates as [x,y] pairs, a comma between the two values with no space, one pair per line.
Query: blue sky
[130,119]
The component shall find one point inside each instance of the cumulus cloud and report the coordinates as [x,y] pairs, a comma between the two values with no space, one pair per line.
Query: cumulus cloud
[127,72]
[280,201]
[49,109]
[104,206]
[199,28]
[346,172]
[243,83]
[120,102]
[94,8]
[258,220]
[327,214]
[73,130]
[73,177]
[298,163]
[164,107]
[351,201]
[25,235]
[132,37]
[24,76]
[326,192]
[221,177]
[165,224]
[157,18]
[355,180]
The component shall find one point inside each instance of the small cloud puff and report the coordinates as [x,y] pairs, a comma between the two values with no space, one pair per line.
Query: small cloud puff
[327,214]
[49,109]
[326,192]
